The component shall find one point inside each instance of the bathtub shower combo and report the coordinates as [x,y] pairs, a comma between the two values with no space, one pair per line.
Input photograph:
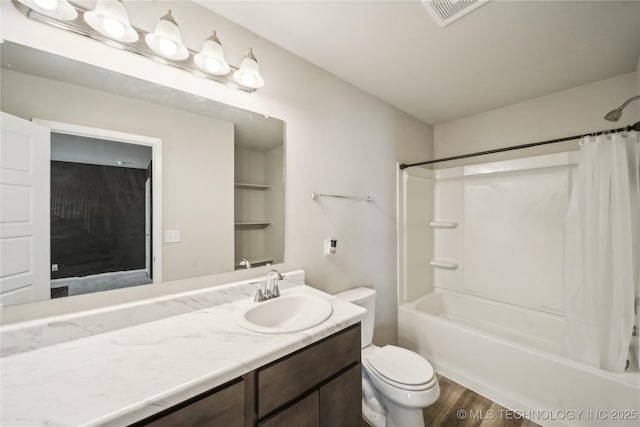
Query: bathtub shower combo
[496,272]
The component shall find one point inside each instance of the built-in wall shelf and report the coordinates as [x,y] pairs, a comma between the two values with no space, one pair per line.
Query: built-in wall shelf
[256,262]
[254,224]
[248,186]
[258,206]
[447,265]
[444,224]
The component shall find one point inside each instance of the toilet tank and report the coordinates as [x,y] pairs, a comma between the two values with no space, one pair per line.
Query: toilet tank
[366,298]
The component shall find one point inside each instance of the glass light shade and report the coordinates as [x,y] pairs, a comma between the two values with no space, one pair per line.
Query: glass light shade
[110,19]
[166,40]
[211,57]
[60,9]
[167,47]
[113,28]
[248,74]
[47,4]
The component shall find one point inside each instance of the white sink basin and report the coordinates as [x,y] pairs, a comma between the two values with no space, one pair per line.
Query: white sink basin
[285,314]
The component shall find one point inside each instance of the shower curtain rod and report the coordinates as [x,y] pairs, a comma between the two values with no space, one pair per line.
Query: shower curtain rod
[635,126]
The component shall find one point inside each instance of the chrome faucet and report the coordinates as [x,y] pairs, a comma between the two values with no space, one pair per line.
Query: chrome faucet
[272,283]
[269,287]
[245,263]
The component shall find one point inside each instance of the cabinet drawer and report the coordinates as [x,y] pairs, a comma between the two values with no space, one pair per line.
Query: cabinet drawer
[301,414]
[341,399]
[224,407]
[288,378]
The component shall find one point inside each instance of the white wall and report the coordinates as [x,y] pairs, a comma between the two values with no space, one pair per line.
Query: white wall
[197,151]
[339,140]
[570,112]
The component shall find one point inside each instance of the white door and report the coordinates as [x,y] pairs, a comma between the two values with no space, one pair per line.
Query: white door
[24,211]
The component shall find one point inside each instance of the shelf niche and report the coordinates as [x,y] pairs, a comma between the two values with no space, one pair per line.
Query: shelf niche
[259,208]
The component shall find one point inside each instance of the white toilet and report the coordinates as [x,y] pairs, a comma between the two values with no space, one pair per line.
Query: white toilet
[403,380]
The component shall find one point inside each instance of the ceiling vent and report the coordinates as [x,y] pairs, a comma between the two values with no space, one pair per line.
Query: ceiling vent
[446,11]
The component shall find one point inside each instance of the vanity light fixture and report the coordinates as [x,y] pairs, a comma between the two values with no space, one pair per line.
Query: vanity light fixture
[110,18]
[248,74]
[211,57]
[166,39]
[60,9]
[109,23]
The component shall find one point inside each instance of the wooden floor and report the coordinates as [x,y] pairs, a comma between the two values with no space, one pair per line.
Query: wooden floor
[461,407]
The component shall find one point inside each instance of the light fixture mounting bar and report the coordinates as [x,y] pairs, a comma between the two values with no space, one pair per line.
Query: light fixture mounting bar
[78,26]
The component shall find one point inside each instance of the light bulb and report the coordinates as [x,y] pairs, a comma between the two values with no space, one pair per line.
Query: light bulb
[47,4]
[213,65]
[248,73]
[166,39]
[210,59]
[113,27]
[58,9]
[168,47]
[248,79]
[110,19]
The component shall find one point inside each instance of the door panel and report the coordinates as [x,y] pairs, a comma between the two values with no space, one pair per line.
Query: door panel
[24,215]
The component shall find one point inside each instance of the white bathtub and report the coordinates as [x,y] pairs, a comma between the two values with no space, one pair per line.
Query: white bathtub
[511,355]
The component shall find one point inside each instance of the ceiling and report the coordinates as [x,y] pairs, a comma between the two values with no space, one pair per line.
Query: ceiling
[94,151]
[499,54]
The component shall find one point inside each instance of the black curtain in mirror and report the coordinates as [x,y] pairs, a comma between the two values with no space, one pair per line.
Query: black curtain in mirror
[97,219]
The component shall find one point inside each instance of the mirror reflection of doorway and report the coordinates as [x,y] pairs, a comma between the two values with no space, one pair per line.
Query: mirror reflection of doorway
[101,215]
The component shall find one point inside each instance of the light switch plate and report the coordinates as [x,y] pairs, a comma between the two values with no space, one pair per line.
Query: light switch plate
[171,236]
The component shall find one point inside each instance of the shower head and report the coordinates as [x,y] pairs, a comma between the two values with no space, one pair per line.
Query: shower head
[614,115]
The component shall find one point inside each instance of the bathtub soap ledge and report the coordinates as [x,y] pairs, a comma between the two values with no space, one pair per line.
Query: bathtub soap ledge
[444,224]
[444,264]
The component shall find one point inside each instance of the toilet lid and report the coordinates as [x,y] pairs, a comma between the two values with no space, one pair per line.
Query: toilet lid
[401,366]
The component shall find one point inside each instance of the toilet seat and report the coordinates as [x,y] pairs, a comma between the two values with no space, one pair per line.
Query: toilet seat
[401,368]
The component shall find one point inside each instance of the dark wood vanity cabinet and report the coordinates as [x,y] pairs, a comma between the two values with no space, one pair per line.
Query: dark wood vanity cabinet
[341,399]
[302,413]
[335,403]
[317,386]
[222,406]
[325,376]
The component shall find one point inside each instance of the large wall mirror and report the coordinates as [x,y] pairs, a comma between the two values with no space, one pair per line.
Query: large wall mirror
[143,183]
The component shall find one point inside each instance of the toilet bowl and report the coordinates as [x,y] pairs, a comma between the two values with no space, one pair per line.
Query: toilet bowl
[403,381]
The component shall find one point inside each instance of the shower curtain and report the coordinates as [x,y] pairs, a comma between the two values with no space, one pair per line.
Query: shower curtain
[602,253]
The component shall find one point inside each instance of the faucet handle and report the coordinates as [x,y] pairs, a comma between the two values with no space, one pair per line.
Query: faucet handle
[276,292]
[259,296]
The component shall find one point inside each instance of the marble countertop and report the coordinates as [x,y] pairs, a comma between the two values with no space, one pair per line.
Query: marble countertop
[124,375]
